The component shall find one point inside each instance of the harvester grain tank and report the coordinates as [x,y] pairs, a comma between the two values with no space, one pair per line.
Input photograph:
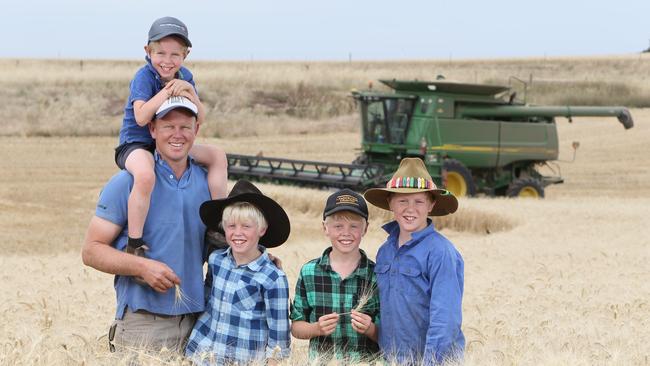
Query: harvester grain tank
[473,138]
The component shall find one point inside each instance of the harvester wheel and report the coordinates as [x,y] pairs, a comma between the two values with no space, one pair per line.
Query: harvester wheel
[525,188]
[458,178]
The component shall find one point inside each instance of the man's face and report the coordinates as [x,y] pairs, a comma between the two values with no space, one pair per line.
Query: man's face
[166,56]
[411,209]
[174,135]
[344,233]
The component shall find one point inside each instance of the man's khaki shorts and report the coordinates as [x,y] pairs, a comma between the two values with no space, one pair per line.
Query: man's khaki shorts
[145,331]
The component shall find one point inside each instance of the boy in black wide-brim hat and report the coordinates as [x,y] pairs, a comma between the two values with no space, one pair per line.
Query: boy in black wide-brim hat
[247,314]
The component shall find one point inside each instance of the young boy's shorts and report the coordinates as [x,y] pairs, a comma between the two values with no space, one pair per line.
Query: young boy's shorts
[122,152]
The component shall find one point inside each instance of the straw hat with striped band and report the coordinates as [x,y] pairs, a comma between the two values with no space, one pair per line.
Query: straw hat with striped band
[412,177]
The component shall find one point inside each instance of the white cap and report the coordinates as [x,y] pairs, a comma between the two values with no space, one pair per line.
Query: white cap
[176,102]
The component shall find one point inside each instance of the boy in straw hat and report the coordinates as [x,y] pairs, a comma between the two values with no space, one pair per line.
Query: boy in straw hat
[247,313]
[419,272]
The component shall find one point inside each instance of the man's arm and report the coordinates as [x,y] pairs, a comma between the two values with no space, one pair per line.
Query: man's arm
[98,253]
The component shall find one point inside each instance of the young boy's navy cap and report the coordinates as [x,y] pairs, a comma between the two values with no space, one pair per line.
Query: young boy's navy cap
[168,26]
[346,200]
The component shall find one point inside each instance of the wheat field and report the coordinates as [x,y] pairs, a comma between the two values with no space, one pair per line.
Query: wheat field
[564,280]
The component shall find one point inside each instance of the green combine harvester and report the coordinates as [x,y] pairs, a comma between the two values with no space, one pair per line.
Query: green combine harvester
[474,138]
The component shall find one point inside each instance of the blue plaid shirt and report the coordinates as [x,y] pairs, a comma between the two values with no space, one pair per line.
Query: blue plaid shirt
[247,315]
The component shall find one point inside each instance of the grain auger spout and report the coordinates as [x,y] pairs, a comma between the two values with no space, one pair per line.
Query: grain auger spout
[526,111]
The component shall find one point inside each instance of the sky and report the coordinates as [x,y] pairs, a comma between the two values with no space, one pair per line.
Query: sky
[329,30]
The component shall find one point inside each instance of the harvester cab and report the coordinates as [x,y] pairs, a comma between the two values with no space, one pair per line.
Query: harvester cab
[473,137]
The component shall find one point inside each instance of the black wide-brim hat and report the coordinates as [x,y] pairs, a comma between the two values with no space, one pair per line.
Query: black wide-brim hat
[278,228]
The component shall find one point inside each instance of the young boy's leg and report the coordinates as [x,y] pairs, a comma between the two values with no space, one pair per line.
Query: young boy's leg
[215,160]
[141,165]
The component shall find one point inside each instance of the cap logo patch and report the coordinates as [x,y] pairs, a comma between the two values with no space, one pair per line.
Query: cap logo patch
[346,199]
[181,28]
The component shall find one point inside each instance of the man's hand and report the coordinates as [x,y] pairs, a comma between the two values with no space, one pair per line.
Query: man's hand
[158,275]
[275,260]
[327,324]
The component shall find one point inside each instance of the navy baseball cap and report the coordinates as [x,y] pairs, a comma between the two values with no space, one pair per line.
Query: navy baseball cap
[346,200]
[169,26]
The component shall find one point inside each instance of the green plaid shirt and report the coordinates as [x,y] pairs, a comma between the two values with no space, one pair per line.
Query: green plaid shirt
[321,291]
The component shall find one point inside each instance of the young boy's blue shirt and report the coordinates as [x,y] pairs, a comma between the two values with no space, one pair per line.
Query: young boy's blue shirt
[420,292]
[145,85]
[247,315]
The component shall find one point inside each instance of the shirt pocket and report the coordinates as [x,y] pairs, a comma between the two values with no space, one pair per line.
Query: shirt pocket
[245,299]
[382,269]
[411,281]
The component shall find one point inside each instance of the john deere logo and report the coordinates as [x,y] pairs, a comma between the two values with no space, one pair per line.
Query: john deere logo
[346,199]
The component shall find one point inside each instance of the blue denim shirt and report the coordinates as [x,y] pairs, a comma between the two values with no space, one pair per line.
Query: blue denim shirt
[173,231]
[145,85]
[420,292]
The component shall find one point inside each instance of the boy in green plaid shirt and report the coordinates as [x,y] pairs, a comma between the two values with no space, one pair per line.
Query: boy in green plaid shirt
[336,304]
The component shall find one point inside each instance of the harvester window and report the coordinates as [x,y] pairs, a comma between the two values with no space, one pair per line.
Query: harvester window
[375,126]
[386,120]
[398,118]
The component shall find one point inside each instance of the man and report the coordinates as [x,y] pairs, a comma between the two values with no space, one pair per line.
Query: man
[159,290]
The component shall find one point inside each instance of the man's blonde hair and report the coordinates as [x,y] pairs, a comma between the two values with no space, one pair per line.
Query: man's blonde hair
[345,216]
[243,211]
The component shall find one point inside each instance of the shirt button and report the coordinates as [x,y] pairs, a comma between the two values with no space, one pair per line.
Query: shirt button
[171,176]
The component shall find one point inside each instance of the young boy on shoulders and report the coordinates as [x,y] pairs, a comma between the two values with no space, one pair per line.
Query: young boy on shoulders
[247,313]
[420,273]
[336,305]
[162,77]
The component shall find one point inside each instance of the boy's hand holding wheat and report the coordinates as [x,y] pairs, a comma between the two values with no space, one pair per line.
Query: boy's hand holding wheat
[361,322]
[327,324]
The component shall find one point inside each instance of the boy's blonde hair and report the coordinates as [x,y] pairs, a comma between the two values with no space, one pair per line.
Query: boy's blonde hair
[243,211]
[179,39]
[345,216]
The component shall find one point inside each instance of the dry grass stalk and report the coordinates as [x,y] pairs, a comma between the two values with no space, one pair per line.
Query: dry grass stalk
[367,292]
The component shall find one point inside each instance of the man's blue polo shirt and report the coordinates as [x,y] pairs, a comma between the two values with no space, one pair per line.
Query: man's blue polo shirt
[173,231]
[145,85]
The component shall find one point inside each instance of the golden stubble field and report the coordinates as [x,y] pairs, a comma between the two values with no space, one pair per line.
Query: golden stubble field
[563,280]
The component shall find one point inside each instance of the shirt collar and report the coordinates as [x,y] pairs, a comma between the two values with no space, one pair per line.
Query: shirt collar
[392,228]
[159,161]
[256,265]
[325,264]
